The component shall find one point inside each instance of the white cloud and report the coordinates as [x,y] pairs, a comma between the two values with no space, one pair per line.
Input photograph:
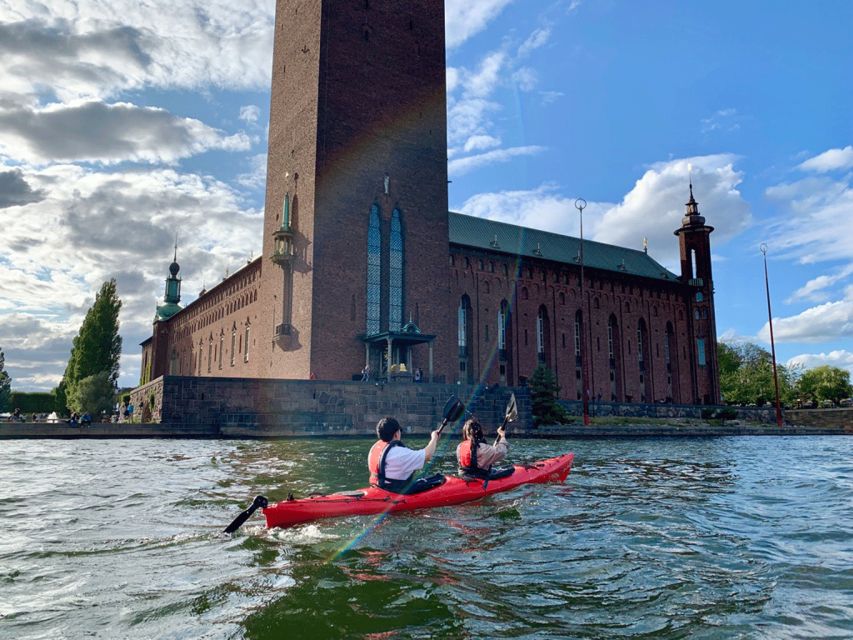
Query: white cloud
[816,224]
[481,142]
[653,208]
[250,113]
[97,49]
[466,18]
[815,290]
[542,208]
[95,131]
[256,177]
[461,166]
[725,120]
[92,226]
[822,323]
[535,40]
[839,358]
[830,160]
[526,78]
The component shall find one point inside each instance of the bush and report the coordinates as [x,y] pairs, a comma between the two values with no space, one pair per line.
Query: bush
[93,394]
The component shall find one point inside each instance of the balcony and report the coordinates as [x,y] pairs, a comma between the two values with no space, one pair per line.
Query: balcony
[696,282]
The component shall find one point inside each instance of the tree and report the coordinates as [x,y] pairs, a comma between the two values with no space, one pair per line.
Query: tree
[746,375]
[5,384]
[543,392]
[825,383]
[97,347]
[95,393]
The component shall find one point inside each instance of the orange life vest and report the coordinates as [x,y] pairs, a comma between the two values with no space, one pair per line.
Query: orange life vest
[374,458]
[465,457]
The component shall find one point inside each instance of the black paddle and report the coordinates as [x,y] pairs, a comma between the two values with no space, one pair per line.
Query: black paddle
[259,501]
[453,409]
[510,416]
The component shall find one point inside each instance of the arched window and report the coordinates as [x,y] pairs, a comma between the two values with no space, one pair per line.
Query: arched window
[198,362]
[542,334]
[233,344]
[246,342]
[503,319]
[614,352]
[524,294]
[395,308]
[209,353]
[562,298]
[221,348]
[174,364]
[462,318]
[374,271]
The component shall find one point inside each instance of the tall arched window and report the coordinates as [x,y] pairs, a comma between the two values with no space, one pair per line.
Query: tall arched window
[462,321]
[395,280]
[246,343]
[374,271]
[542,332]
[671,364]
[642,357]
[503,319]
[209,353]
[221,347]
[233,344]
[613,351]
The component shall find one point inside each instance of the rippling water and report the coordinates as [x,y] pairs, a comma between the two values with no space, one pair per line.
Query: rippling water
[669,538]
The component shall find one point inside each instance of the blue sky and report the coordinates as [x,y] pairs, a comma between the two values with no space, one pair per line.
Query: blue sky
[122,122]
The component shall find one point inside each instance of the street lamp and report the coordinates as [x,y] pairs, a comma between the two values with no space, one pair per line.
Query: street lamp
[779,421]
[580,205]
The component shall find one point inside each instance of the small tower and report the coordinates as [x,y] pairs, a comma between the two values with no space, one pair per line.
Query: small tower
[694,239]
[172,296]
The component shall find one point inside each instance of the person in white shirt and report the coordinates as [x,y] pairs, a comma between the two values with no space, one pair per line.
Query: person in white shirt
[393,465]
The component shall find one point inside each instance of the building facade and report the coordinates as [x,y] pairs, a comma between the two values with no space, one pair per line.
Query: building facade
[362,263]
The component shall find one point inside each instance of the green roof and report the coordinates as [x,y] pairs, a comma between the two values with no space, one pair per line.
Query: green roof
[501,237]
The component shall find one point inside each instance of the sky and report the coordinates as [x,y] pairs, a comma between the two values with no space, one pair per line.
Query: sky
[122,123]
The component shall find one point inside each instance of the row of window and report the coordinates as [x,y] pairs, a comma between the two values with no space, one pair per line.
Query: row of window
[192,362]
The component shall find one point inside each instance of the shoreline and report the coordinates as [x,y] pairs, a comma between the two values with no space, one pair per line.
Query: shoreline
[43,431]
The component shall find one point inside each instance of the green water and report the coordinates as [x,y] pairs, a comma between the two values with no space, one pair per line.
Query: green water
[665,538]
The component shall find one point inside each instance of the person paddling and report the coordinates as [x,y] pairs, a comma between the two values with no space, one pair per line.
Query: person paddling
[393,465]
[476,457]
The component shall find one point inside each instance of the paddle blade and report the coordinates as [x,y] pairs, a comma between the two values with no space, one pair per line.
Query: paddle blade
[512,409]
[259,501]
[453,410]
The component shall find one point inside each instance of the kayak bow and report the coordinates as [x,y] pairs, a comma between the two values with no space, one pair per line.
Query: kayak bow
[372,500]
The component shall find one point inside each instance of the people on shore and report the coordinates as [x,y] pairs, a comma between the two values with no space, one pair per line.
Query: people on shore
[393,465]
[476,457]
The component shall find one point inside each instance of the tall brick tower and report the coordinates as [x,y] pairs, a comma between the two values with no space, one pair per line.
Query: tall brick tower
[694,240]
[355,227]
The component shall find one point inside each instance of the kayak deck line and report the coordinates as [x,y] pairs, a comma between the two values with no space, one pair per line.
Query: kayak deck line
[373,500]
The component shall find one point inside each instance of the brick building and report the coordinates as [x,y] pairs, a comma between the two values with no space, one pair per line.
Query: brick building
[363,264]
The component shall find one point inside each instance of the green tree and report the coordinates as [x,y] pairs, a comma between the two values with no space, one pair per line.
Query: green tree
[5,384]
[543,393]
[95,393]
[825,383]
[746,375]
[96,348]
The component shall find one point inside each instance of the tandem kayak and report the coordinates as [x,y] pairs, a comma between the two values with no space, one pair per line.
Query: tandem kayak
[372,500]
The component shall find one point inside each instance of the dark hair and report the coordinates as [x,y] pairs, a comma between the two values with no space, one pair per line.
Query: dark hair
[472,430]
[386,428]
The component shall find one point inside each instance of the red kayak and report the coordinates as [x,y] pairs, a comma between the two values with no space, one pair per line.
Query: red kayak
[372,500]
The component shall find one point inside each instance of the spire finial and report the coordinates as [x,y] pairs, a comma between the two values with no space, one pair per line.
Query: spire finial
[175,258]
[690,179]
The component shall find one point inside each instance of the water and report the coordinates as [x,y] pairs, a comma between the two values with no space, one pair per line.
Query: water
[668,538]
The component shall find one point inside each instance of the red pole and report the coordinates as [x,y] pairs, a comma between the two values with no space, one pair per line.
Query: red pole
[779,420]
[580,204]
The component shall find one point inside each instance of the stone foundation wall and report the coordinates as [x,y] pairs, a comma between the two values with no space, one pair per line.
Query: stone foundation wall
[242,406]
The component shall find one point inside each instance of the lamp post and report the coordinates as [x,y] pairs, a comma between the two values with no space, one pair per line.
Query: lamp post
[580,205]
[779,421]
